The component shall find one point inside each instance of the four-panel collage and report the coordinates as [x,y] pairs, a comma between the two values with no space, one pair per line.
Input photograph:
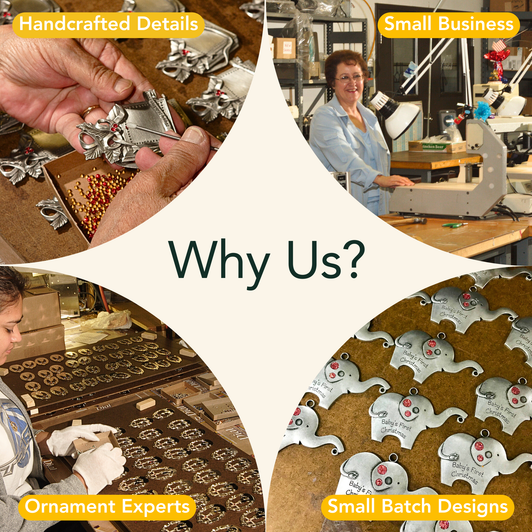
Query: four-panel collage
[430,134]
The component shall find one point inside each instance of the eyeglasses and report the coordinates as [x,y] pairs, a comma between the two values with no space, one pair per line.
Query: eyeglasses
[347,79]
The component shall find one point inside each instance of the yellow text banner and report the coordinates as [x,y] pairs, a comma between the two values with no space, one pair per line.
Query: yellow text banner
[441,24]
[108,25]
[417,507]
[106,507]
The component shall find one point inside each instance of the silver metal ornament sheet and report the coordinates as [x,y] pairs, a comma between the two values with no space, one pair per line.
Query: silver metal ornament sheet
[463,308]
[425,298]
[254,10]
[483,277]
[302,430]
[8,124]
[203,54]
[510,403]
[520,337]
[340,376]
[366,335]
[405,417]
[426,355]
[9,9]
[367,474]
[476,460]
[436,526]
[112,137]
[226,92]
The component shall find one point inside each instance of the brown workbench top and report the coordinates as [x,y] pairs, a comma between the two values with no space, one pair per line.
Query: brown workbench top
[424,160]
[478,236]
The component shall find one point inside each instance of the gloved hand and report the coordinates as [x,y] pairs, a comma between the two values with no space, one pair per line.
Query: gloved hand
[60,441]
[100,467]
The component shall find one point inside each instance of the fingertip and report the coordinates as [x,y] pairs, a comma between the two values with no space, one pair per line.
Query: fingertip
[195,135]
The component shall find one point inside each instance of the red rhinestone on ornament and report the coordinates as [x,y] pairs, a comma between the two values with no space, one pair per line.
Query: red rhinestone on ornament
[432,343]
[429,352]
[444,525]
[516,390]
[378,482]
[335,365]
[332,375]
[407,403]
[466,296]
[515,401]
[382,469]
[480,458]
[479,446]
[297,412]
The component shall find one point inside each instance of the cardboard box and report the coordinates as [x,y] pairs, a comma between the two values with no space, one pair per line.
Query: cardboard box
[311,70]
[514,60]
[284,48]
[218,409]
[40,309]
[442,147]
[509,5]
[65,173]
[527,111]
[40,342]
[82,446]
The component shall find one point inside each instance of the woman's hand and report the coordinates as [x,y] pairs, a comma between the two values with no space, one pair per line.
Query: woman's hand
[392,181]
[49,83]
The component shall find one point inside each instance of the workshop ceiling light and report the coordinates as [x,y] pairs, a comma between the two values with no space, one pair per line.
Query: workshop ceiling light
[398,116]
[505,104]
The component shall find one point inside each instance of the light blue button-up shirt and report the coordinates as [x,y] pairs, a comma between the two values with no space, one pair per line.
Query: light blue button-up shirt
[342,147]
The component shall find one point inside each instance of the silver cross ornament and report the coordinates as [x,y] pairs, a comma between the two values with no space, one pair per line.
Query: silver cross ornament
[26,160]
[367,474]
[203,54]
[226,92]
[366,335]
[117,139]
[520,337]
[463,308]
[476,460]
[405,417]
[482,278]
[426,355]
[436,526]
[152,6]
[341,376]
[53,212]
[302,430]
[510,403]
[9,9]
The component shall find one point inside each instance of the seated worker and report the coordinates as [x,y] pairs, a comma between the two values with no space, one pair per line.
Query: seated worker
[346,136]
[21,471]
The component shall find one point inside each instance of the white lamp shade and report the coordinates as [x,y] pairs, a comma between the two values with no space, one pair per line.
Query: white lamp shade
[398,116]
[401,120]
[512,106]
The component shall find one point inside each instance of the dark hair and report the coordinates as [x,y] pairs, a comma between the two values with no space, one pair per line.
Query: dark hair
[12,285]
[343,56]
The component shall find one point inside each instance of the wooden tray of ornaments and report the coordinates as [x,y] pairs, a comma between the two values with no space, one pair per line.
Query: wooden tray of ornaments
[168,452]
[71,379]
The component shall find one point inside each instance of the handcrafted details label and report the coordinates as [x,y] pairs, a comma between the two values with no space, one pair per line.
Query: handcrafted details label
[106,507]
[109,25]
[417,507]
[459,25]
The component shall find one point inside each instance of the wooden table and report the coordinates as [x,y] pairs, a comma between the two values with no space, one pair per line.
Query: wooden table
[422,163]
[495,239]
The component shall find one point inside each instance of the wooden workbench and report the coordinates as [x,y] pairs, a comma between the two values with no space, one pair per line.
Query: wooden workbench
[473,240]
[423,163]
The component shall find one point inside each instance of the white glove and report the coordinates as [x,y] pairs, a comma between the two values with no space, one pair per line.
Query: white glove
[60,442]
[100,467]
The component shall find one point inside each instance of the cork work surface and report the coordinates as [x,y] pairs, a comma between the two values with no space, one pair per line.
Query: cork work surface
[303,477]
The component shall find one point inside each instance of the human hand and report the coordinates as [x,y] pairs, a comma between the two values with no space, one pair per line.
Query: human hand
[49,83]
[60,441]
[160,181]
[392,181]
[100,467]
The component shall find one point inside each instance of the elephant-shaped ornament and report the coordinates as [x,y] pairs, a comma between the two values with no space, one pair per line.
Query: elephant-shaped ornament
[302,430]
[520,337]
[426,355]
[436,526]
[510,403]
[341,376]
[366,335]
[367,474]
[393,414]
[476,460]
[463,308]
[483,277]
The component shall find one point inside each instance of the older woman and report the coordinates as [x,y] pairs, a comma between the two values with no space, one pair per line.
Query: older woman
[346,136]
[21,470]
